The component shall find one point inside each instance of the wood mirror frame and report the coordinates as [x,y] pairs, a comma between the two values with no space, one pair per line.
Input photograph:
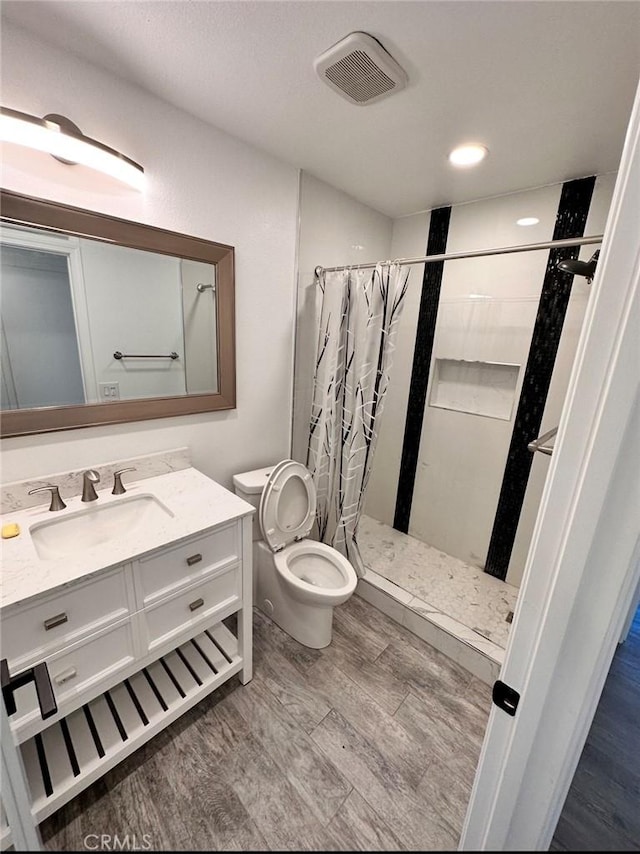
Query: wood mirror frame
[24,210]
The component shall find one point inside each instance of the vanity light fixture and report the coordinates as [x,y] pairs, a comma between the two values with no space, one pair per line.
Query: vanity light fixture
[468,155]
[527,220]
[61,138]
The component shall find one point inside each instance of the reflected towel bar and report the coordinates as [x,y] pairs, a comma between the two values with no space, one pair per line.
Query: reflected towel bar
[539,444]
[119,355]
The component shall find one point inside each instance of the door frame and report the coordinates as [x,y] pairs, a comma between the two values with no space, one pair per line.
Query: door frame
[69,247]
[582,569]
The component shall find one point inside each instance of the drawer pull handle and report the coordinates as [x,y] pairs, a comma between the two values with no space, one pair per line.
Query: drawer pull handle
[52,622]
[63,677]
[194,559]
[197,604]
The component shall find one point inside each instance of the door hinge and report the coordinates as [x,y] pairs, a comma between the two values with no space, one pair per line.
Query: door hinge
[505,697]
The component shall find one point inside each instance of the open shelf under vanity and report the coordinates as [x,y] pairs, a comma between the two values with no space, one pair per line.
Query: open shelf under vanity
[126,650]
[74,751]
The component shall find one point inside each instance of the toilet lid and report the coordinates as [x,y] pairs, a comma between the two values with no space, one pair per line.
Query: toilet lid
[288,505]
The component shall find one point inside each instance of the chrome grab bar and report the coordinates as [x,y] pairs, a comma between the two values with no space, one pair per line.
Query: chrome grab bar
[540,444]
[119,355]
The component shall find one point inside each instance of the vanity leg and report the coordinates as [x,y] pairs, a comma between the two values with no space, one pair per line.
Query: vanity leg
[245,615]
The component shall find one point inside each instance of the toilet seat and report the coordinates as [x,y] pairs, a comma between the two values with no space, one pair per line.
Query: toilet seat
[287,505]
[313,573]
[316,572]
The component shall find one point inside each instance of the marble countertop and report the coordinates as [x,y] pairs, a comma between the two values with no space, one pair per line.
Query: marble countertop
[197,503]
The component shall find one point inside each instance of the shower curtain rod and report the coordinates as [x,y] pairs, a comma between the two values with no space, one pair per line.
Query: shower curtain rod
[478,253]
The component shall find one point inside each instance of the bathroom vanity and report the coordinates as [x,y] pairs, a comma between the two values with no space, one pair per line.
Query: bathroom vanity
[126,601]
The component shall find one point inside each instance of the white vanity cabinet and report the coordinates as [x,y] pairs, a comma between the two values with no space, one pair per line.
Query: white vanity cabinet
[129,649]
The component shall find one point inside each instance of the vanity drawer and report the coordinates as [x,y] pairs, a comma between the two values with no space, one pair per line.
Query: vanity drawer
[163,573]
[81,667]
[197,604]
[32,631]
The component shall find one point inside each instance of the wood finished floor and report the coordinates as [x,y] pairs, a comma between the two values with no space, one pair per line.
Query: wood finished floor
[602,810]
[370,744]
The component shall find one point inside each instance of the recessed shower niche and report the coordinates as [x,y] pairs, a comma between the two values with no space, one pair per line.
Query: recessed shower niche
[479,388]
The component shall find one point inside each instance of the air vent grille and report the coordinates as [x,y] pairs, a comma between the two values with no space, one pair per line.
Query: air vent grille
[359,77]
[359,69]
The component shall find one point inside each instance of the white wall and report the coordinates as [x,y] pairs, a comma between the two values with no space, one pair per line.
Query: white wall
[201,182]
[334,229]
[487,311]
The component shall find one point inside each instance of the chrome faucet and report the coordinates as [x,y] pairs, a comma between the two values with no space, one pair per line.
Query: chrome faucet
[89,477]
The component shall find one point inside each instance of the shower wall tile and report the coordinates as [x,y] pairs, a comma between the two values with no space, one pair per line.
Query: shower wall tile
[487,313]
[580,293]
[420,367]
[571,219]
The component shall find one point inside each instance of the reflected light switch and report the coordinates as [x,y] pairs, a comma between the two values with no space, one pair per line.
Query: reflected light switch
[109,391]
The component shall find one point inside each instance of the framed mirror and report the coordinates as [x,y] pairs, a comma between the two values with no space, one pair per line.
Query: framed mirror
[106,321]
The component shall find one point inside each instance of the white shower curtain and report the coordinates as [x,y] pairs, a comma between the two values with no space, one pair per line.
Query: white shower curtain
[358,326]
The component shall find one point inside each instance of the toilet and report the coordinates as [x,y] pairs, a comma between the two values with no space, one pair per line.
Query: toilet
[297,581]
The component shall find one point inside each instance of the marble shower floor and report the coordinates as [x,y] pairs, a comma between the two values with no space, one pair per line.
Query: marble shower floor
[440,583]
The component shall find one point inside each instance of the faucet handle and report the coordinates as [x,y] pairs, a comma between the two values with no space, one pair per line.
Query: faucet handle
[56,502]
[118,487]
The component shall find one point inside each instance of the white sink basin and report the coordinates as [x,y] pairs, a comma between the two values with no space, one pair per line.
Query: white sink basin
[85,529]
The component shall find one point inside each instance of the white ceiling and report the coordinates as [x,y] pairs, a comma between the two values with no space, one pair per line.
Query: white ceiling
[547,86]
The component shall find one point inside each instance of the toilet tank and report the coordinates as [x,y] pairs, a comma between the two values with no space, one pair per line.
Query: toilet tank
[250,486]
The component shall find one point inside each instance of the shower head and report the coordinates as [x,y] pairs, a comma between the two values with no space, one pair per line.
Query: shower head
[581,268]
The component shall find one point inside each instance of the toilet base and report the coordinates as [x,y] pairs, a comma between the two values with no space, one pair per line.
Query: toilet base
[310,625]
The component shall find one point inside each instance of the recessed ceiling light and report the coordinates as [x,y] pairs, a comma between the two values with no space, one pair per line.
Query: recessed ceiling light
[468,155]
[528,220]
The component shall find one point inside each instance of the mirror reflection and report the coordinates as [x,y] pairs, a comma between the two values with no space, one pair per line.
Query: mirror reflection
[86,321]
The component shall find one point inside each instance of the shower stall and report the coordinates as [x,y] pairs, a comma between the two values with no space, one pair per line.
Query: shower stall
[485,347]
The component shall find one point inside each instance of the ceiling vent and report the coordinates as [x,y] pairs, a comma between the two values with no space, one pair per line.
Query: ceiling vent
[360,69]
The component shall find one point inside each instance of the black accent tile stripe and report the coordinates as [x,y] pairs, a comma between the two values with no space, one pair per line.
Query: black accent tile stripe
[425,332]
[571,219]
